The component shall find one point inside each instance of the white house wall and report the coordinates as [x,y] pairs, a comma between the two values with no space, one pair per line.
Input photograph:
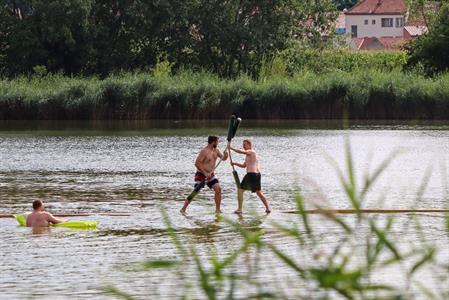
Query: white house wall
[375,30]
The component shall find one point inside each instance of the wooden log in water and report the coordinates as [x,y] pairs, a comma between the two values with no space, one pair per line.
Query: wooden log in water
[367,211]
[111,214]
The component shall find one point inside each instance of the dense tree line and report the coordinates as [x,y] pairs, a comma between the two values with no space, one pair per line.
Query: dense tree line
[103,36]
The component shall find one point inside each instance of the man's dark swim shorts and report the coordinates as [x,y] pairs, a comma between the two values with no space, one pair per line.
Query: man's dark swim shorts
[251,182]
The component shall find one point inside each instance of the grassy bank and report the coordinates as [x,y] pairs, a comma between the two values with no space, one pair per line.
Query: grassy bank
[366,95]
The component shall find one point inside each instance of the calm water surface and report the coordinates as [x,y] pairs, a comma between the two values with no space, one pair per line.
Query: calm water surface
[143,168]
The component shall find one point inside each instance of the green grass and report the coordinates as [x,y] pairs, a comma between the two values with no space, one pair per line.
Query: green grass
[370,94]
[323,61]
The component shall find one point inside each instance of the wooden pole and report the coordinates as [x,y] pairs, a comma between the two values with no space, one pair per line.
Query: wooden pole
[111,214]
[367,211]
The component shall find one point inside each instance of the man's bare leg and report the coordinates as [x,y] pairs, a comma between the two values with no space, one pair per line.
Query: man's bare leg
[186,203]
[217,198]
[240,201]
[264,201]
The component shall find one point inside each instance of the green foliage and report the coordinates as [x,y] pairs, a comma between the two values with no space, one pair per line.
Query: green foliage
[432,49]
[233,37]
[102,37]
[40,71]
[163,70]
[315,22]
[274,68]
[201,95]
[128,35]
[342,4]
[342,60]
[55,35]
[7,23]
[84,36]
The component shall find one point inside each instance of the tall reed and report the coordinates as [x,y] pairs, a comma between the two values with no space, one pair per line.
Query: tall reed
[370,94]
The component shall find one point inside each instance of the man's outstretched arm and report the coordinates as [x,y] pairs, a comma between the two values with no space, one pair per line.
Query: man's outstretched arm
[239,165]
[241,151]
[53,219]
[224,155]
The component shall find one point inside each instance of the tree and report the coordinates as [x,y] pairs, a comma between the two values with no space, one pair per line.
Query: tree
[52,33]
[128,33]
[102,36]
[316,22]
[234,36]
[342,4]
[432,49]
[7,23]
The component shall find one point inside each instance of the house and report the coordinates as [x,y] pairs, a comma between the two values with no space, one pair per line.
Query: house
[380,25]
[376,18]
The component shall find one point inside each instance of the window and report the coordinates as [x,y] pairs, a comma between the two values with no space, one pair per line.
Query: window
[387,22]
[400,22]
[373,22]
[366,22]
[354,30]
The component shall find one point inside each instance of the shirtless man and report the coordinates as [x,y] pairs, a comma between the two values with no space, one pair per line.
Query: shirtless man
[205,164]
[39,217]
[251,181]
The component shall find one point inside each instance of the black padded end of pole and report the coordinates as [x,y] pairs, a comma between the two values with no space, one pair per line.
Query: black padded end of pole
[232,122]
[236,126]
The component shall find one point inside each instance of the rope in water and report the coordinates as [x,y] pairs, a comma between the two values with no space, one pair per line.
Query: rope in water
[367,211]
[112,214]
[308,211]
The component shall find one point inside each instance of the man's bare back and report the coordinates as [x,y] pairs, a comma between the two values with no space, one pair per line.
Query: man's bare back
[39,217]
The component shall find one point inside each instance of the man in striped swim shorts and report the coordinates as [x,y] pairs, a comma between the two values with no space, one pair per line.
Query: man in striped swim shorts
[205,165]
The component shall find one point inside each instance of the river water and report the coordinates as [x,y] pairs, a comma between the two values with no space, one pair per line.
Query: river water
[142,168]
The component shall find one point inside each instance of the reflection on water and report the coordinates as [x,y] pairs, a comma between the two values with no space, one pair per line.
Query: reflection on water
[186,127]
[40,230]
[141,167]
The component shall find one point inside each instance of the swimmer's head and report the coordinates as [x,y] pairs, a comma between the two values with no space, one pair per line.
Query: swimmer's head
[38,205]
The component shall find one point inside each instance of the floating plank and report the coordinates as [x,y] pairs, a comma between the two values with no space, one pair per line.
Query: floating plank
[111,214]
[367,211]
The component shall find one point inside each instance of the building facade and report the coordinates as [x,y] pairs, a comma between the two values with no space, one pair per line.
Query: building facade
[376,18]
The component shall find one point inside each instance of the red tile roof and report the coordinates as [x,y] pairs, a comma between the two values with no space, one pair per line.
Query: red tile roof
[378,7]
[392,43]
[385,43]
[416,30]
[359,42]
